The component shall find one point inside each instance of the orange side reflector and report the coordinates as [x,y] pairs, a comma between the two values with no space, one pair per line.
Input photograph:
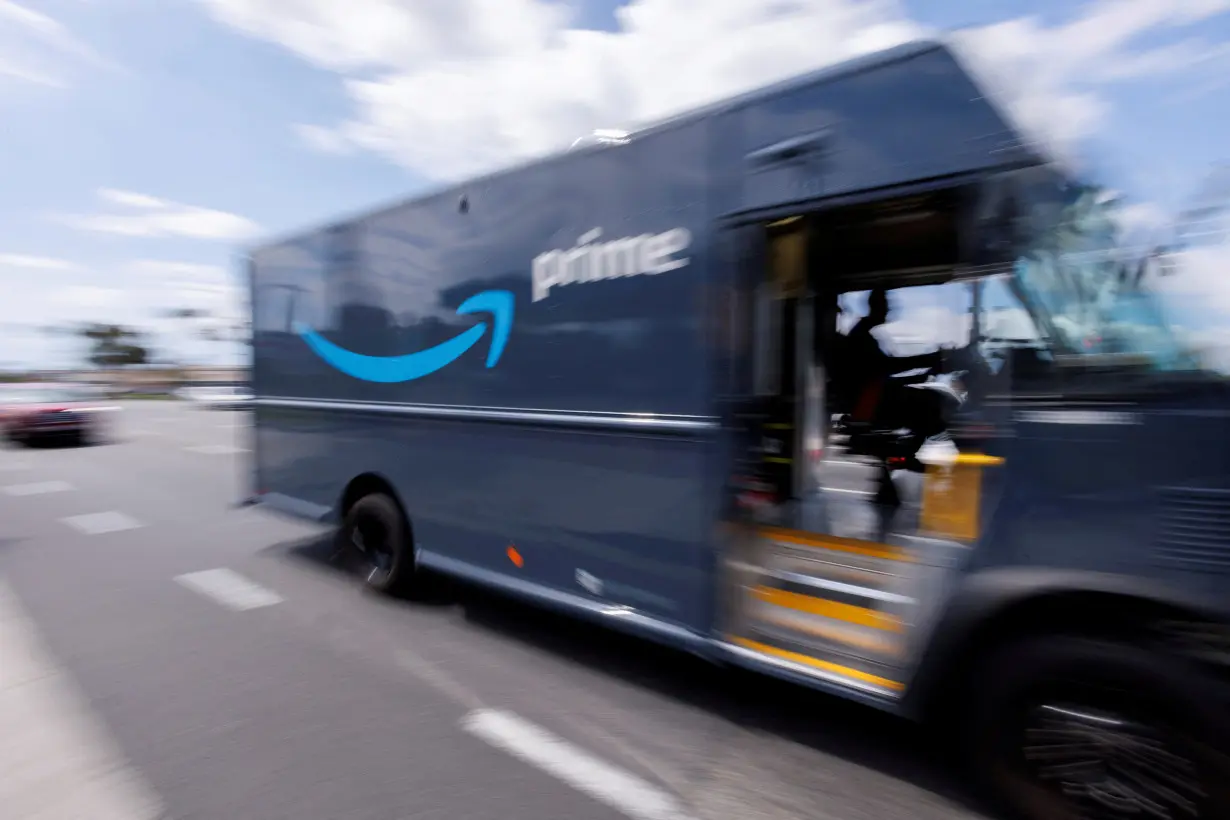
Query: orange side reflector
[515,557]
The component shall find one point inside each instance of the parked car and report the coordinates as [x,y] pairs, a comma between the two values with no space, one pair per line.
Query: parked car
[30,413]
[225,397]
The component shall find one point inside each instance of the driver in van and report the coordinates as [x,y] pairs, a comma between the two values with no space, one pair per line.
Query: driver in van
[875,395]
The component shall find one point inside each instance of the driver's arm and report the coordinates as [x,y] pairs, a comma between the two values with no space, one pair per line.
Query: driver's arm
[900,364]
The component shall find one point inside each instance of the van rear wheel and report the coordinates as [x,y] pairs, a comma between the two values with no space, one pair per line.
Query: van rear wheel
[1068,727]
[375,543]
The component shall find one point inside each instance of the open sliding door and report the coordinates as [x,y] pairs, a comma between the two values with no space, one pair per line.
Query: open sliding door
[849,530]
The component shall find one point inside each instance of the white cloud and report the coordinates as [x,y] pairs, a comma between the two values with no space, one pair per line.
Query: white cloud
[90,297]
[451,87]
[130,199]
[38,49]
[26,262]
[1201,275]
[1141,216]
[168,285]
[405,34]
[1050,78]
[138,293]
[148,216]
[1213,346]
[173,270]
[19,71]
[323,139]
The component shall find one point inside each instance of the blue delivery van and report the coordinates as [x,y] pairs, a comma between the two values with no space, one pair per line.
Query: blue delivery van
[641,382]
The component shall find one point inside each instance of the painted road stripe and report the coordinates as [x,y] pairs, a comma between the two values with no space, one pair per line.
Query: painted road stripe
[103,522]
[229,588]
[37,488]
[57,760]
[602,781]
[216,449]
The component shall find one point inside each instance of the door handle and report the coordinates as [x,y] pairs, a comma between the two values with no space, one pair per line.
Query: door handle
[791,149]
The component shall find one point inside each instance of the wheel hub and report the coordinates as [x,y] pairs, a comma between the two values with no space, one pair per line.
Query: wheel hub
[372,547]
[1110,767]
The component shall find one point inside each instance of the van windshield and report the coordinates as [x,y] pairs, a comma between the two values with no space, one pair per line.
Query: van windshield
[1084,289]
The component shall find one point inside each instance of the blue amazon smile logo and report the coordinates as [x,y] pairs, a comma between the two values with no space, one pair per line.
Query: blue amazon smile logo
[388,369]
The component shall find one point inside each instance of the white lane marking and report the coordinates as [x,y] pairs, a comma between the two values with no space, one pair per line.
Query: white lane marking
[57,760]
[604,782]
[229,588]
[216,449]
[38,488]
[103,522]
[432,673]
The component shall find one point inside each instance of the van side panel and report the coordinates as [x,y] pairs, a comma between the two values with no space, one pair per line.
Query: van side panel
[622,505]
[623,321]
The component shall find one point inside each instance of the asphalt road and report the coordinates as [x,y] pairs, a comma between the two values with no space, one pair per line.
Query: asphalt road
[165,655]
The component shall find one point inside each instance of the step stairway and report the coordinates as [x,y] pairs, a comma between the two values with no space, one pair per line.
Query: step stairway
[839,608]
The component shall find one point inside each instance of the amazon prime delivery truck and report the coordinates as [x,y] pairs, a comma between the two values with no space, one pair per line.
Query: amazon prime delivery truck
[650,382]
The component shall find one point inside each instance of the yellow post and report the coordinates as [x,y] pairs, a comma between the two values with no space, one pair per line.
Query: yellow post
[952,496]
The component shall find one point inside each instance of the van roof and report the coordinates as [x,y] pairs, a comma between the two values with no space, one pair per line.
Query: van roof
[826,74]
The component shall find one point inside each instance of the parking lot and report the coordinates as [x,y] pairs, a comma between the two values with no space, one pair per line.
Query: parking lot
[168,655]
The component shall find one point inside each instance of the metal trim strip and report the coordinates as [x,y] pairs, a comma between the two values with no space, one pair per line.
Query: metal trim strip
[638,422]
[835,590]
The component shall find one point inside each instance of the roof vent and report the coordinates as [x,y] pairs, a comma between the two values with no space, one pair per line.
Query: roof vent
[601,136]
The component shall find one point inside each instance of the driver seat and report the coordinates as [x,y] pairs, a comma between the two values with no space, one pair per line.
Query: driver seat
[855,406]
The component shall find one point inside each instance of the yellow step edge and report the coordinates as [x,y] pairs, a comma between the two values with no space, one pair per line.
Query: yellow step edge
[848,613]
[979,460]
[827,666]
[854,546]
[869,643]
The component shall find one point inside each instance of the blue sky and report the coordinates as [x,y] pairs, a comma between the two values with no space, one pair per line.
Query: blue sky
[147,141]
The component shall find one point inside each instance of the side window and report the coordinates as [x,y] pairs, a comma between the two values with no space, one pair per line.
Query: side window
[921,318]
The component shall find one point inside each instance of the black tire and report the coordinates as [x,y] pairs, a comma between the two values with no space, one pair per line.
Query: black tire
[375,543]
[1121,726]
[97,434]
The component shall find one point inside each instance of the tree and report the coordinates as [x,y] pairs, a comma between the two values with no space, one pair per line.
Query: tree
[114,345]
[213,328]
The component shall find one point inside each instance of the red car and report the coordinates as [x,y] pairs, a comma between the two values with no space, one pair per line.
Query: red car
[44,412]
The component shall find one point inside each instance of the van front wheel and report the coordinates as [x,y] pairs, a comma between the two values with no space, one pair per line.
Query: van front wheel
[375,542]
[1069,727]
